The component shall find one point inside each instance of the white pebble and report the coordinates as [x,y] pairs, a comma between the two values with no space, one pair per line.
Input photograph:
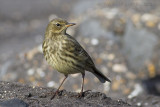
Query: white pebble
[30,71]
[148,17]
[106,86]
[51,84]
[94,41]
[111,13]
[111,57]
[40,72]
[75,75]
[40,48]
[139,104]
[119,68]
[137,90]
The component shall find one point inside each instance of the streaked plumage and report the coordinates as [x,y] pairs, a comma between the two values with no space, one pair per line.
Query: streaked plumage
[65,54]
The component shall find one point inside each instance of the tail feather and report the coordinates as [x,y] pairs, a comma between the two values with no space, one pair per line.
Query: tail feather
[100,76]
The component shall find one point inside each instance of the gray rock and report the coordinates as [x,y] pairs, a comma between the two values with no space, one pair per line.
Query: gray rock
[13,103]
[138,45]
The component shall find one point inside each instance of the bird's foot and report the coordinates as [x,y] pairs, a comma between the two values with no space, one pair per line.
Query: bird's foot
[54,94]
[80,95]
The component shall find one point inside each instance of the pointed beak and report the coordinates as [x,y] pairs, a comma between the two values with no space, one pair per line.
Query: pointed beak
[70,24]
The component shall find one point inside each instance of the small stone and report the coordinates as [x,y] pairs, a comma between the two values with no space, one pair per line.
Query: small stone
[106,86]
[111,57]
[115,85]
[99,61]
[119,68]
[139,104]
[137,90]
[126,91]
[130,75]
[32,79]
[40,48]
[30,71]
[136,18]
[150,24]
[111,13]
[13,103]
[149,17]
[151,70]
[21,80]
[51,84]
[94,41]
[75,75]
[40,72]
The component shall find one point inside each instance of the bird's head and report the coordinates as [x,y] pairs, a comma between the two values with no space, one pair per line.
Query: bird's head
[58,26]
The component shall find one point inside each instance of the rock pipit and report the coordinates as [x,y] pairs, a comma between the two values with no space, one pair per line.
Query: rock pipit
[65,54]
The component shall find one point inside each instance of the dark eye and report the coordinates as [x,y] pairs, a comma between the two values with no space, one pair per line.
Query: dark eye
[58,24]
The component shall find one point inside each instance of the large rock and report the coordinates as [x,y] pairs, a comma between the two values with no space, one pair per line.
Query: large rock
[138,45]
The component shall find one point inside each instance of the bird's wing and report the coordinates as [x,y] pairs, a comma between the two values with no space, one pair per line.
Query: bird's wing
[74,47]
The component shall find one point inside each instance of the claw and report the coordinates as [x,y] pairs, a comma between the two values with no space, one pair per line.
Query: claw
[56,93]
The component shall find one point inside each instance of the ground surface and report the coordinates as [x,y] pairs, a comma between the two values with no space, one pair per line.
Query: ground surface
[25,95]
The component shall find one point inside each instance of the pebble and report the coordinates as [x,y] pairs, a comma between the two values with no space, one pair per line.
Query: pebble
[13,103]
[130,75]
[139,104]
[119,68]
[106,86]
[137,90]
[151,70]
[75,75]
[94,41]
[148,17]
[30,71]
[40,48]
[110,14]
[111,57]
[51,84]
[40,72]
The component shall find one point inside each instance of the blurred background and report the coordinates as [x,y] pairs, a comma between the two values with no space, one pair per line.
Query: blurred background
[122,37]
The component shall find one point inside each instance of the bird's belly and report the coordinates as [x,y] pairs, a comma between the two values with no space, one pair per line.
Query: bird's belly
[61,65]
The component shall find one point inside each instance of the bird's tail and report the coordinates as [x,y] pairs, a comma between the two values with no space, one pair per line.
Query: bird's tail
[100,76]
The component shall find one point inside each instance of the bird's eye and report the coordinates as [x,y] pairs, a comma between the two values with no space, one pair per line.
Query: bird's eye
[57,24]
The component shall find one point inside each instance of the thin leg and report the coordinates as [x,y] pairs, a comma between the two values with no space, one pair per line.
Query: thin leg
[59,87]
[81,93]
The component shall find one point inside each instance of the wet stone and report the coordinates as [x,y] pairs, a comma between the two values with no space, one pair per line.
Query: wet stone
[13,103]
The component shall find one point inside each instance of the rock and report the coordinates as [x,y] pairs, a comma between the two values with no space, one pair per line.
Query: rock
[138,46]
[13,103]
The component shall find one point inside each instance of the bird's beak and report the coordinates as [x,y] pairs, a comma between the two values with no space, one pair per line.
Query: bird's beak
[70,24]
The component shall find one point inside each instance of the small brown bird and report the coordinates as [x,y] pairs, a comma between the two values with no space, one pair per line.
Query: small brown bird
[65,54]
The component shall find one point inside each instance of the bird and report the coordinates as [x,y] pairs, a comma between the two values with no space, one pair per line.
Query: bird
[66,55]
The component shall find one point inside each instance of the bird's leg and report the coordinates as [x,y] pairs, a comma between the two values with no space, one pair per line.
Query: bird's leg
[59,87]
[81,93]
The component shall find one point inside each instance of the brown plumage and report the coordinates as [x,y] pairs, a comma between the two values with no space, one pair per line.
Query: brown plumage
[65,54]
